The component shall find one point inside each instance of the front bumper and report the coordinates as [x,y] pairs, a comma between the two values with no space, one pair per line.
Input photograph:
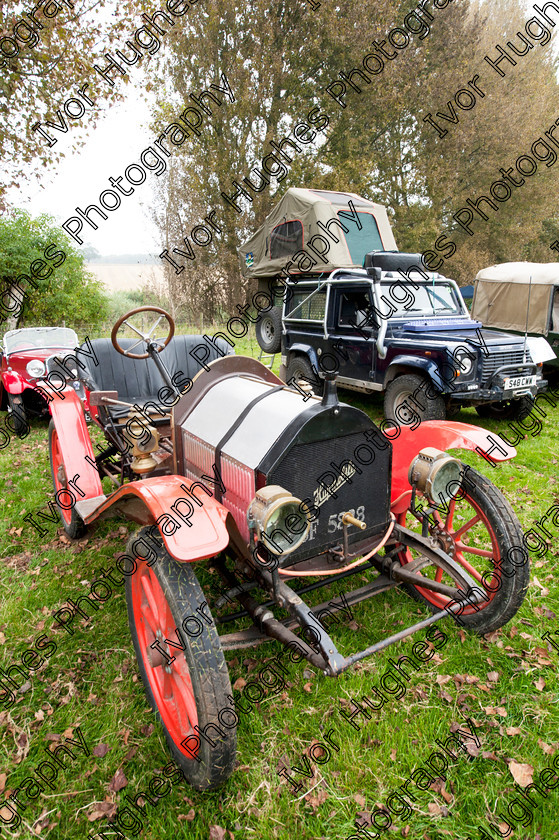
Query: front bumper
[496,388]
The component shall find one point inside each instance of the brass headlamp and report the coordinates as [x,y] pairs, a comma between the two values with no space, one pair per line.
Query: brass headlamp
[435,474]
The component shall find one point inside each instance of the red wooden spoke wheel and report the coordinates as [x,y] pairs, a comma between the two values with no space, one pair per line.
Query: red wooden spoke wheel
[480,531]
[65,498]
[181,661]
[167,670]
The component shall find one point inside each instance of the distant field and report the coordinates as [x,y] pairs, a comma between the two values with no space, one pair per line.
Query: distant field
[118,278]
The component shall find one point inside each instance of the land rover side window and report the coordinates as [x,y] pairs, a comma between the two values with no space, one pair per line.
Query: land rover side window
[312,309]
[286,239]
[360,242]
[355,309]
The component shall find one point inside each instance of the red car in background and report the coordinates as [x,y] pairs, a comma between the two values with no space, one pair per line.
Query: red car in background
[23,365]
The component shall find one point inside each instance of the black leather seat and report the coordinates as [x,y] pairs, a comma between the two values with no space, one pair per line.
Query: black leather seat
[138,380]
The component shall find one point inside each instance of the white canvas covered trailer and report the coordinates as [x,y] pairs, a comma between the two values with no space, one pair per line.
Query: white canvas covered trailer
[520,296]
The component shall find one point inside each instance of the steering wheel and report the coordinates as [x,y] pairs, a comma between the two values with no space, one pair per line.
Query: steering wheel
[148,338]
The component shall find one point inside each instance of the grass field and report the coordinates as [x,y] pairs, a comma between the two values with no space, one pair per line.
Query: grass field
[506,685]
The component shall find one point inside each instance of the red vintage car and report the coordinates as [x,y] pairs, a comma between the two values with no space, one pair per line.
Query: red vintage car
[235,476]
[24,363]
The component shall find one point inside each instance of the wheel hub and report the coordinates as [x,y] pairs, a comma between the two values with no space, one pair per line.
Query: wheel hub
[61,476]
[155,655]
[442,539]
[268,329]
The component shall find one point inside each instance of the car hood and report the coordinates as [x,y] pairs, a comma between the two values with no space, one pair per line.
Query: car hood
[460,334]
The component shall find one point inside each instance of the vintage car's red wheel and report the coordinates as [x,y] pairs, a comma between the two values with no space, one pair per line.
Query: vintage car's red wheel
[188,688]
[482,534]
[72,522]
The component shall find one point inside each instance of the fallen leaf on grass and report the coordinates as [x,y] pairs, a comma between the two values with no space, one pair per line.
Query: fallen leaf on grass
[442,679]
[434,808]
[393,755]
[217,832]
[118,781]
[188,817]
[307,687]
[522,773]
[513,730]
[495,710]
[102,810]
[361,801]
[540,684]
[547,748]
[3,778]
[492,676]
[238,685]
[100,750]
[316,800]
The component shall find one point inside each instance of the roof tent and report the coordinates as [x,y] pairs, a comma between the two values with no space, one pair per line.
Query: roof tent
[312,231]
[501,295]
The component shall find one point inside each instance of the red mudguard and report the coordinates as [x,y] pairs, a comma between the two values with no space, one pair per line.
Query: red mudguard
[13,382]
[442,435]
[191,522]
[75,444]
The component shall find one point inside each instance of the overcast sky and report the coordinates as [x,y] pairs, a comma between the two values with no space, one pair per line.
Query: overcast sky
[79,178]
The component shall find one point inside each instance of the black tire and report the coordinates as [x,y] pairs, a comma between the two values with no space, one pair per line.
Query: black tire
[507,409]
[509,561]
[399,399]
[71,520]
[202,662]
[268,330]
[17,418]
[300,370]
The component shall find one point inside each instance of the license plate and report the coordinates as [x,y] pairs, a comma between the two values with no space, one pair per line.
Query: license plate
[519,382]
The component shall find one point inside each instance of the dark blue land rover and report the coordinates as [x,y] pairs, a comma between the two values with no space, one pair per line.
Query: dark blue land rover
[393,327]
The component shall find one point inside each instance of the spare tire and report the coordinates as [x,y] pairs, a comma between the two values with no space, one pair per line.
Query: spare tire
[268,330]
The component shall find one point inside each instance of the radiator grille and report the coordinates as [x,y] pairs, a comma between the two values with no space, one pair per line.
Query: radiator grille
[238,479]
[496,360]
[304,464]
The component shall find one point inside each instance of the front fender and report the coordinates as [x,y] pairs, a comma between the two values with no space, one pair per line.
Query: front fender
[442,434]
[415,363]
[75,444]
[308,351]
[14,383]
[192,524]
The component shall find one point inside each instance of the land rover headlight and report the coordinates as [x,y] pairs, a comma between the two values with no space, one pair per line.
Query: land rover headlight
[464,362]
[435,474]
[35,368]
[280,520]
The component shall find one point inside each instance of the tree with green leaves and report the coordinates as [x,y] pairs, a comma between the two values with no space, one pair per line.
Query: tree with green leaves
[378,145]
[271,52]
[43,278]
